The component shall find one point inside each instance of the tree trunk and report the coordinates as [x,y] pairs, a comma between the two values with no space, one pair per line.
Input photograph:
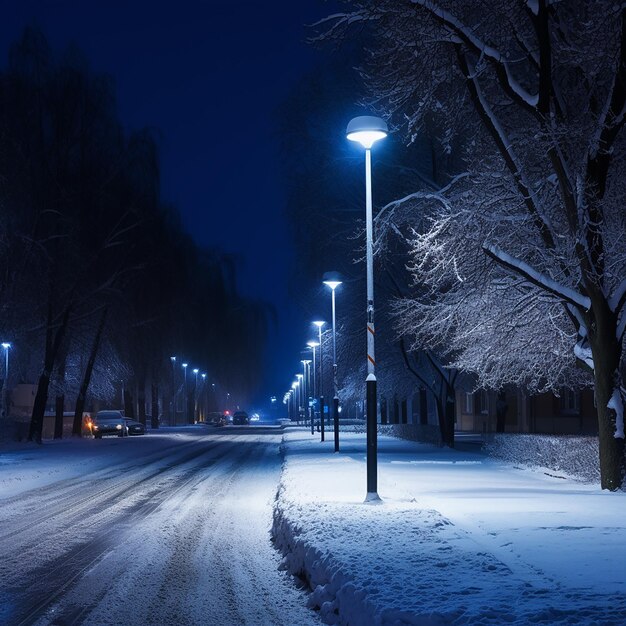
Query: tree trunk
[446,414]
[141,397]
[404,411]
[501,410]
[58,416]
[155,405]
[77,426]
[52,349]
[383,411]
[423,406]
[129,408]
[606,355]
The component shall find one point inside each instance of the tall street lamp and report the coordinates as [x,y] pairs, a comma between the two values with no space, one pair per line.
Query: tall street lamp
[186,405]
[195,394]
[7,347]
[204,403]
[366,130]
[173,398]
[300,384]
[307,391]
[319,325]
[333,284]
[316,384]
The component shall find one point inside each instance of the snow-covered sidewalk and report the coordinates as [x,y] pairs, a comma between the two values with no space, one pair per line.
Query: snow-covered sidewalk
[459,538]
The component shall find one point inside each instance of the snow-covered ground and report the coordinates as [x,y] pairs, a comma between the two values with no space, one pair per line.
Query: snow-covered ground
[168,529]
[458,539]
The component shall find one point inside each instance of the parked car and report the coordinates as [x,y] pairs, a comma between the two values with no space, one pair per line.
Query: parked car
[109,423]
[240,418]
[216,418]
[134,427]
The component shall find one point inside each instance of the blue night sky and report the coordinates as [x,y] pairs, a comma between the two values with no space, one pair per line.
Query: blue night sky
[209,76]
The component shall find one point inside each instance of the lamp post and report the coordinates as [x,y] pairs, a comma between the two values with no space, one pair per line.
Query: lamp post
[173,395]
[366,130]
[195,394]
[319,325]
[316,392]
[299,378]
[333,284]
[204,403]
[7,347]
[185,399]
[307,391]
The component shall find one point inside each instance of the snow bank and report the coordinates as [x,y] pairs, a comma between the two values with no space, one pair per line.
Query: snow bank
[459,538]
[574,456]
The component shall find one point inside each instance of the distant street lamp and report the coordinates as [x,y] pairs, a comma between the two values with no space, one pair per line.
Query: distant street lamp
[300,395]
[204,393]
[173,395]
[333,283]
[307,391]
[313,345]
[6,347]
[366,130]
[195,395]
[319,325]
[186,400]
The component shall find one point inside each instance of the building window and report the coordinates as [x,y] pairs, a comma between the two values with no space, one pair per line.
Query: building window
[468,407]
[570,402]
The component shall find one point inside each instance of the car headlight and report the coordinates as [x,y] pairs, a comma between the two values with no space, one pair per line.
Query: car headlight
[119,427]
[95,426]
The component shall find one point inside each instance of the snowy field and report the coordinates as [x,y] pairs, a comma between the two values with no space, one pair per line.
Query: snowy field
[459,538]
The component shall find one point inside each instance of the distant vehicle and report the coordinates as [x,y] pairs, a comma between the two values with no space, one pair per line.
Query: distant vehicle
[255,417]
[109,423]
[134,427]
[216,419]
[240,418]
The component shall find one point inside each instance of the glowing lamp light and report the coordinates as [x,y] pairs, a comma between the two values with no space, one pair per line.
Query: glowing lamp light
[366,130]
[333,284]
[5,345]
[319,324]
[312,344]
[196,370]
[185,364]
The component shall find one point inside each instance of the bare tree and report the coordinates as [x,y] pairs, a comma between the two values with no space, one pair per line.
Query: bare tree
[524,254]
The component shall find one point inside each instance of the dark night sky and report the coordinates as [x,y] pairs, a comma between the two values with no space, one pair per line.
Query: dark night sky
[208,74]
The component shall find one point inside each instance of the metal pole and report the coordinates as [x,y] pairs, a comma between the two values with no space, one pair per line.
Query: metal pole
[335,392]
[372,452]
[321,384]
[6,381]
[186,407]
[314,390]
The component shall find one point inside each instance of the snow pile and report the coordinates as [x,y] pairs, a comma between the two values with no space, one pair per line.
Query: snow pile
[576,457]
[459,538]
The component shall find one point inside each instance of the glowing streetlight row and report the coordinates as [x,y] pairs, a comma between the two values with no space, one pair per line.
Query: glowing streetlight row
[365,130]
[195,371]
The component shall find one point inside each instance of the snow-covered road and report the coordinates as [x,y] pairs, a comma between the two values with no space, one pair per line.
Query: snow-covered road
[171,528]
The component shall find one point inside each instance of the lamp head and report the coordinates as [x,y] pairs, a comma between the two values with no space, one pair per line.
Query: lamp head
[203,375]
[185,364]
[333,284]
[299,377]
[366,130]
[319,324]
[196,370]
[173,359]
[312,344]
[6,345]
